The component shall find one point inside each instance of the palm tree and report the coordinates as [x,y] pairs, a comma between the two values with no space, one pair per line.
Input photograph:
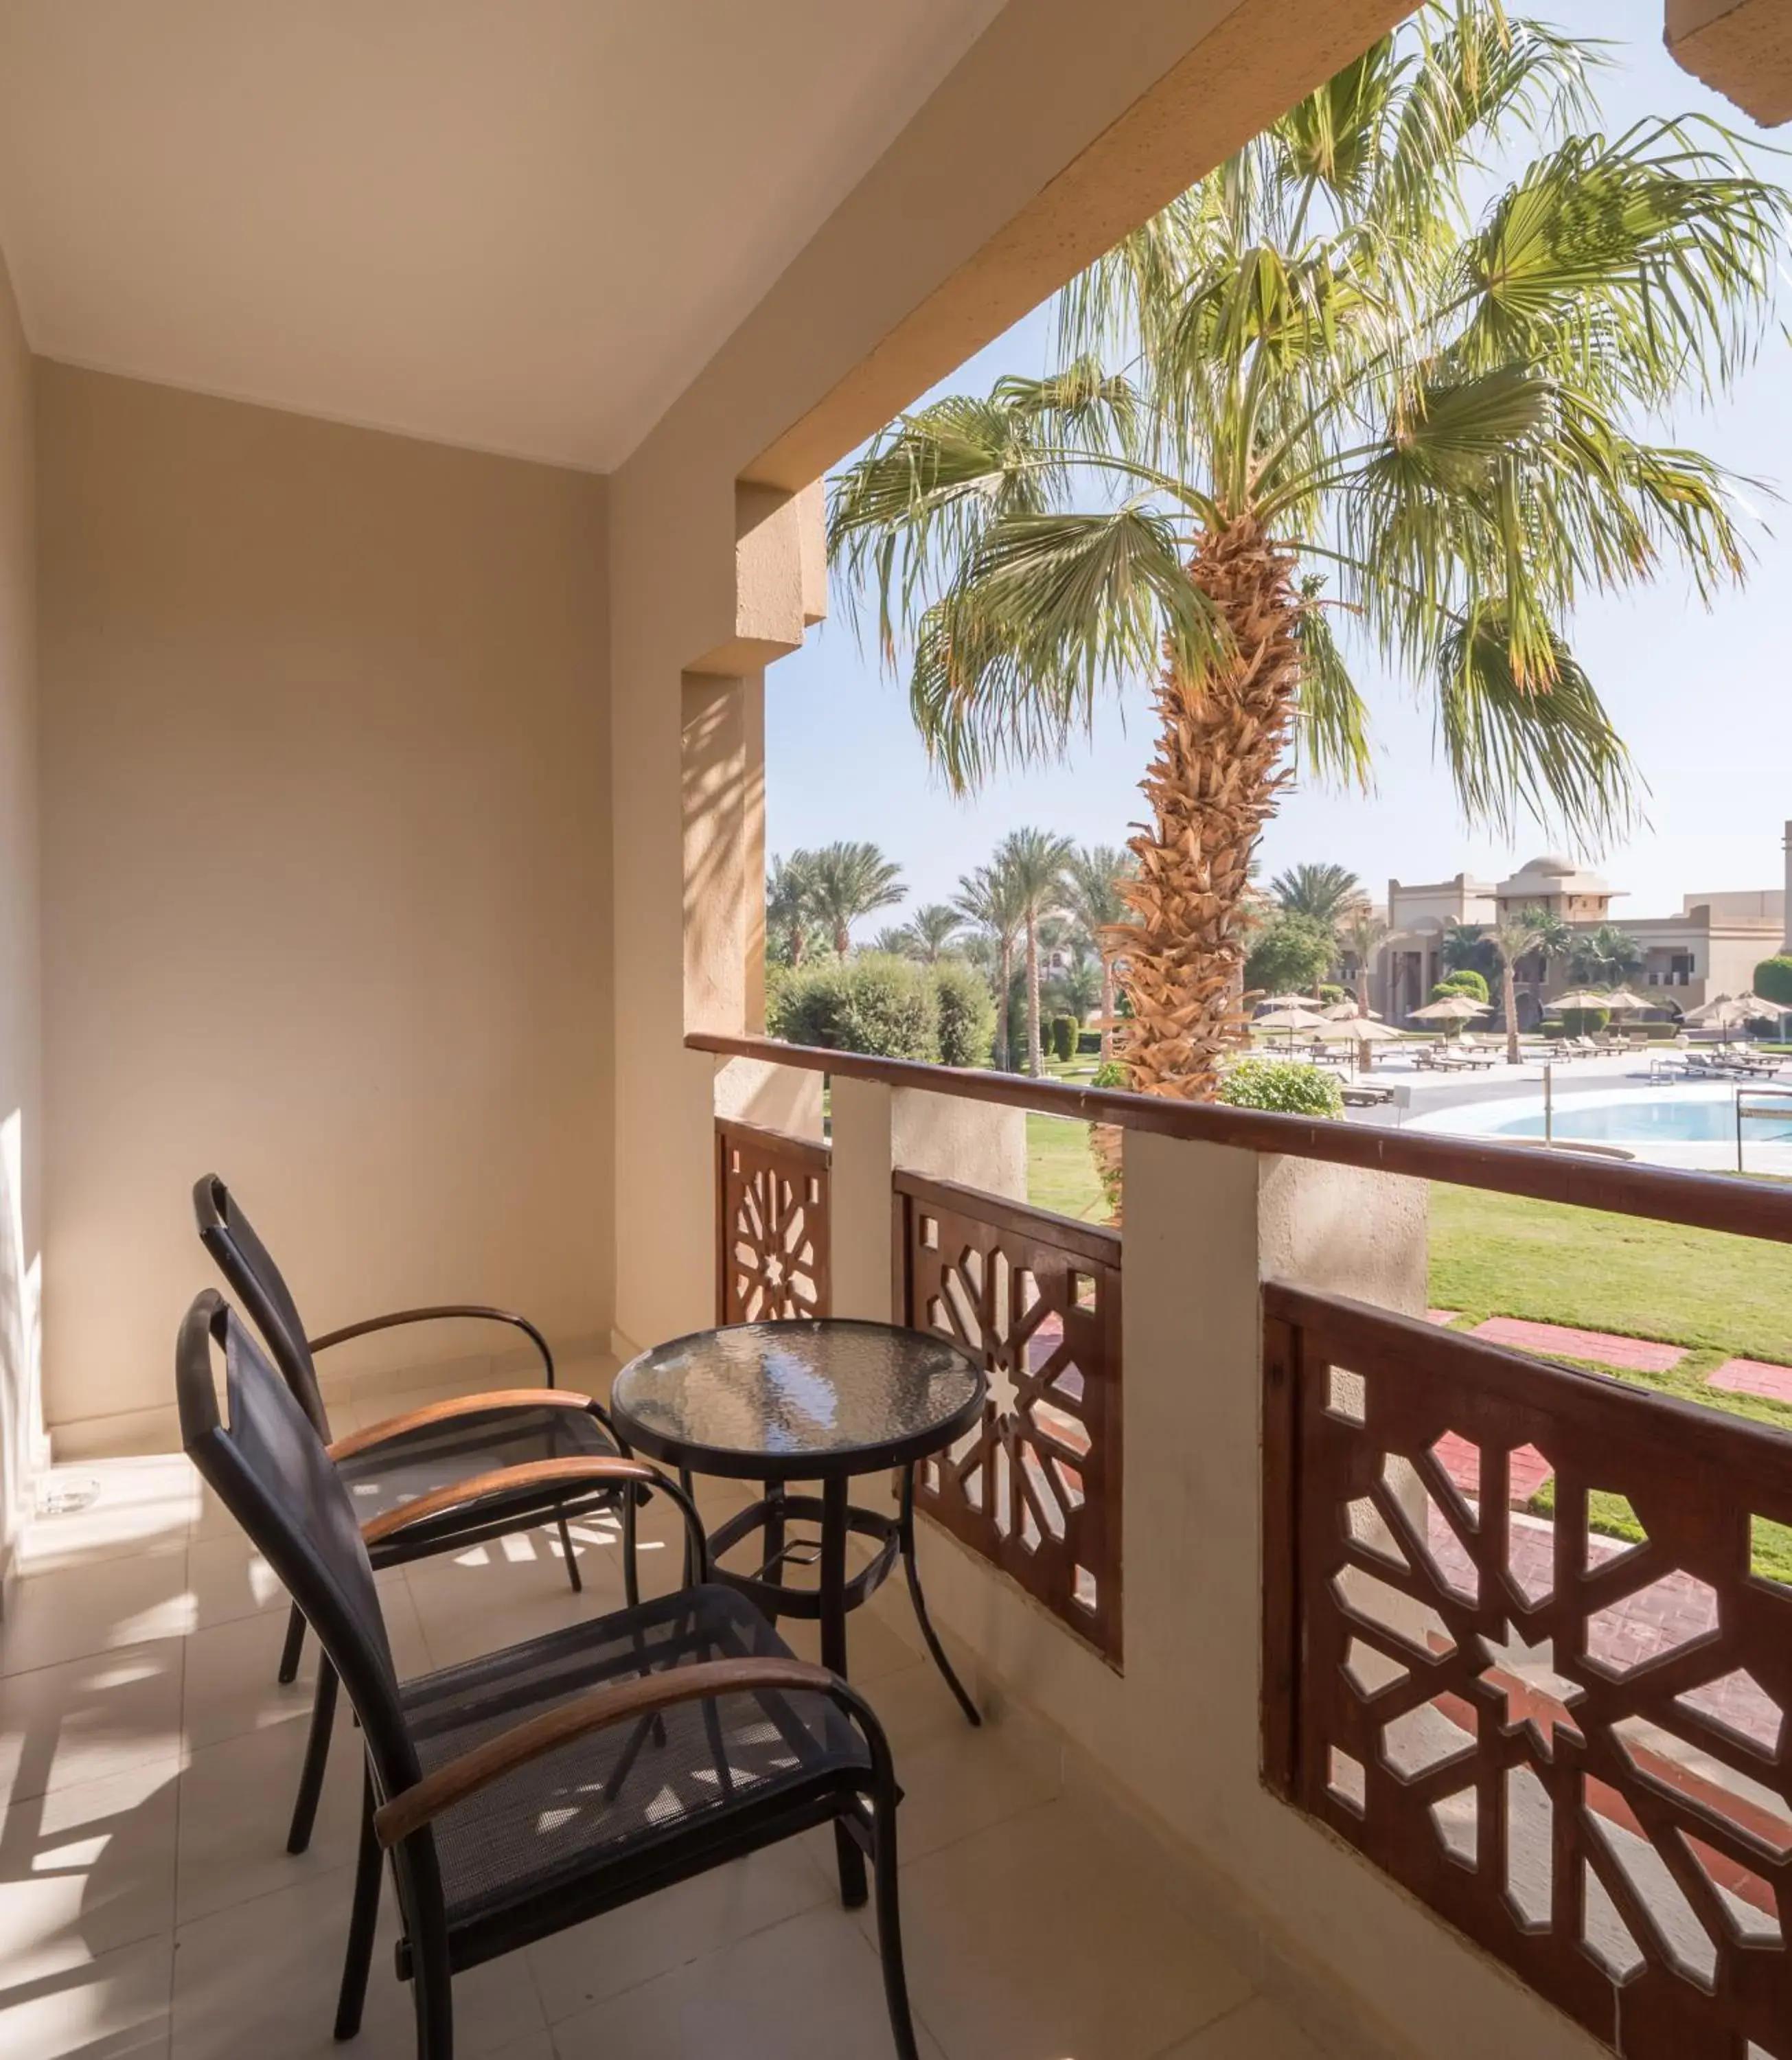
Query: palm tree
[1466,947]
[1034,861]
[789,906]
[1322,893]
[1607,954]
[990,898]
[1363,933]
[1348,401]
[1513,938]
[1093,877]
[848,880]
[929,932]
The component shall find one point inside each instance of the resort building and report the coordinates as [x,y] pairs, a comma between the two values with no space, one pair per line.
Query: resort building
[1711,946]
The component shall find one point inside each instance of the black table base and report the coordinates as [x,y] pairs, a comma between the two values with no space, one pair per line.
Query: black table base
[895,1538]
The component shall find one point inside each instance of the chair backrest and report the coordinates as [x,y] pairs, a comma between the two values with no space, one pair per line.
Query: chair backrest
[267,1465]
[245,1262]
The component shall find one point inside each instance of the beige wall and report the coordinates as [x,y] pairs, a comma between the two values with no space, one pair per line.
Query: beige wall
[326,873]
[21,1107]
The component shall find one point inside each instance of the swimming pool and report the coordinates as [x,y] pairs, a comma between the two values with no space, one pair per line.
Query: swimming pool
[1673,1126]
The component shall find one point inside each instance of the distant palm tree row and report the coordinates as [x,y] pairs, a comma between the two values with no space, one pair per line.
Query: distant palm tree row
[1058,914]
[1059,906]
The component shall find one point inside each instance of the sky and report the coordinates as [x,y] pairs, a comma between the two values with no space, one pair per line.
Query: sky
[1701,698]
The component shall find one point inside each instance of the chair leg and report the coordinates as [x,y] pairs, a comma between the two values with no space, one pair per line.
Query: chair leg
[432,1997]
[290,1650]
[631,1570]
[362,1919]
[572,1573]
[316,1759]
[889,1928]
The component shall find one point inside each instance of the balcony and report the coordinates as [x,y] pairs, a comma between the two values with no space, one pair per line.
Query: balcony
[1568,1745]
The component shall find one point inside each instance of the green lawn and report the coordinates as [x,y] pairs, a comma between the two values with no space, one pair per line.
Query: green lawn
[1718,1295]
[1061,1174]
[1501,1254]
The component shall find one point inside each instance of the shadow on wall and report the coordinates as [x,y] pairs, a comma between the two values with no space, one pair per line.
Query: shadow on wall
[24,1449]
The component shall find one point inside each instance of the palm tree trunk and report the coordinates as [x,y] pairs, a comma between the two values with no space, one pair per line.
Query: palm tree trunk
[1034,1052]
[1509,1002]
[1211,786]
[1107,1008]
[1006,981]
[843,939]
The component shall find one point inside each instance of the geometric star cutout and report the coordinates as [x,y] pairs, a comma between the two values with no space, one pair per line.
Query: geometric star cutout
[774,1271]
[1537,1697]
[1003,1390]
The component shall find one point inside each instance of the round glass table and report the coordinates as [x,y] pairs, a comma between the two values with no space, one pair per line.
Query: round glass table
[806,1401]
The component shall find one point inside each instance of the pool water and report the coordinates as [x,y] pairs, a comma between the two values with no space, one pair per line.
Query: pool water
[1677,1122]
[1702,1114]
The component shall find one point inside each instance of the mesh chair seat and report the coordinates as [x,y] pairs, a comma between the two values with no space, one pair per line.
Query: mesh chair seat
[460,1447]
[619,1795]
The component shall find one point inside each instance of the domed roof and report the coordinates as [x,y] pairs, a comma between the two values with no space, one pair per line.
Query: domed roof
[1553,863]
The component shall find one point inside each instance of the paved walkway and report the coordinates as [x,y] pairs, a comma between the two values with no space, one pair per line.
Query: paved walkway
[1763,1377]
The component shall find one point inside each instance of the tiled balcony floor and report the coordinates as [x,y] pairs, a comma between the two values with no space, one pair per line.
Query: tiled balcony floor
[148,1907]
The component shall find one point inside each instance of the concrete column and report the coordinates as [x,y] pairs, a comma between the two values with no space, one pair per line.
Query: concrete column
[860,1210]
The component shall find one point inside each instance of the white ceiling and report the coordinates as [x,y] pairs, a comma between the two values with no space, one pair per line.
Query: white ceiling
[519,225]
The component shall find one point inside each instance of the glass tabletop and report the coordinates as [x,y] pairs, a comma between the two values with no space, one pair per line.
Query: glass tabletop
[797,1399]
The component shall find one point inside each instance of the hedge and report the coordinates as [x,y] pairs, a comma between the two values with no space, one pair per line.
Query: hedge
[886,1007]
[1288,1086]
[967,1014]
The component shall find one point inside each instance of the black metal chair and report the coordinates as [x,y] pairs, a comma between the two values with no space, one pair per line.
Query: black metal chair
[390,1465]
[539,1786]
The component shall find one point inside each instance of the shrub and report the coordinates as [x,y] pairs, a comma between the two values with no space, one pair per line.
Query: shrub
[1464,980]
[1283,1085]
[888,1008]
[1106,1140]
[1088,1040]
[1773,980]
[1584,1022]
[967,1014]
[1064,1036]
[1330,993]
[1288,954]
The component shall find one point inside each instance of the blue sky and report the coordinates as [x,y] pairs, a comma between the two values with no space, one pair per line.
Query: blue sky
[1701,698]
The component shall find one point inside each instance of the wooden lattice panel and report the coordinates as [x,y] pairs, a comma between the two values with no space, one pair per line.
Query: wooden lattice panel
[772,1255]
[1571,1745]
[1035,1488]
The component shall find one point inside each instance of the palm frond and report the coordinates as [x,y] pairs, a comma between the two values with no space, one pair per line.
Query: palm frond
[1545,749]
[1047,611]
[1332,719]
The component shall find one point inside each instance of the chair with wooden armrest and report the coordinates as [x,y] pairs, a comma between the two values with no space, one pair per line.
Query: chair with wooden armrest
[391,1464]
[536,1787]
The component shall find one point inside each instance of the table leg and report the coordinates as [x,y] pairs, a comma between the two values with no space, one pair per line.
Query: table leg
[833,1656]
[911,1568]
[774,1536]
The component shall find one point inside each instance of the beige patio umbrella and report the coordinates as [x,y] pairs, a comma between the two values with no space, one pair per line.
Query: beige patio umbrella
[1347,1012]
[1581,997]
[1361,1031]
[1289,1001]
[1621,1000]
[1291,1020]
[1724,1011]
[1452,1008]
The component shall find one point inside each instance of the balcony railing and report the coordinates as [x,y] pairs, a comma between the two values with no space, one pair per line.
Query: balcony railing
[1035,1488]
[772,1224]
[1570,1744]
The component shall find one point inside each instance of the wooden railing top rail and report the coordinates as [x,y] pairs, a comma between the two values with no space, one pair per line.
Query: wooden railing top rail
[1705,1201]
